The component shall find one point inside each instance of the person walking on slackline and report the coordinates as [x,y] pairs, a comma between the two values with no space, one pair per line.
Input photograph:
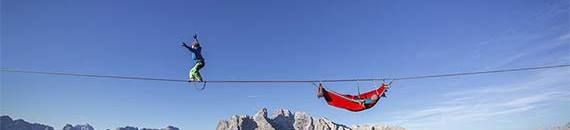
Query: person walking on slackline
[197,56]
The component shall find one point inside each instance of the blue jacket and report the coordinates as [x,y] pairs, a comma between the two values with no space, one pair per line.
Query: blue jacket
[196,53]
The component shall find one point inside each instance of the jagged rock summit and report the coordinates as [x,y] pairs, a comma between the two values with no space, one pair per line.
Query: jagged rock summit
[282,119]
[135,128]
[6,123]
[78,127]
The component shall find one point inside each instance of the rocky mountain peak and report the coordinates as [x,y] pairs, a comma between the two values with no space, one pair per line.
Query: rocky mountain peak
[78,127]
[283,119]
[6,123]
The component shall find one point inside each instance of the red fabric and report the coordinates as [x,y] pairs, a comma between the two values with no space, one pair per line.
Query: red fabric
[335,99]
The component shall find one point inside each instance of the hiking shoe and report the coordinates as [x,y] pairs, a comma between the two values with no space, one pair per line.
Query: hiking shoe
[320,91]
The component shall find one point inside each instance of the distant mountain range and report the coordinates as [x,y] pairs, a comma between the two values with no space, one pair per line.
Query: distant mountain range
[283,119]
[280,119]
[7,123]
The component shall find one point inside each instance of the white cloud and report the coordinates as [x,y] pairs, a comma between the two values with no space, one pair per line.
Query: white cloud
[500,102]
[565,37]
[495,101]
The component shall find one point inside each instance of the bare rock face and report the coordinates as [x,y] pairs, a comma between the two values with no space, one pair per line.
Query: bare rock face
[6,123]
[78,127]
[127,128]
[261,120]
[376,127]
[305,122]
[135,128]
[283,119]
[238,123]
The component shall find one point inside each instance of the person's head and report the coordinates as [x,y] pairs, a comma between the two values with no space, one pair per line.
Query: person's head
[374,97]
[195,45]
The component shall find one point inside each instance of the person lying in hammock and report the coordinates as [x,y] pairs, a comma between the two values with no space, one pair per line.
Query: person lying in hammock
[197,56]
[353,103]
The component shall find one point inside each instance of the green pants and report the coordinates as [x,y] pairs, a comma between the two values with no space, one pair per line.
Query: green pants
[195,71]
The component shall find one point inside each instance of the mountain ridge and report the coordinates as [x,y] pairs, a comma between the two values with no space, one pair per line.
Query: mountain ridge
[283,119]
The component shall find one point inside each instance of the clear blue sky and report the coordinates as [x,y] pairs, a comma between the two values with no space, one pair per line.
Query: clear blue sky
[266,40]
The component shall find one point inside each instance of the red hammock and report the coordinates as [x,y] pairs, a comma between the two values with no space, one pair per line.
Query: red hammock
[348,101]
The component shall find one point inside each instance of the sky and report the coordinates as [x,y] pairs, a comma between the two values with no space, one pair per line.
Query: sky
[286,40]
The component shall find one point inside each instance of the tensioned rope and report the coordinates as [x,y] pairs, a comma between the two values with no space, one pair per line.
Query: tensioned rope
[286,81]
